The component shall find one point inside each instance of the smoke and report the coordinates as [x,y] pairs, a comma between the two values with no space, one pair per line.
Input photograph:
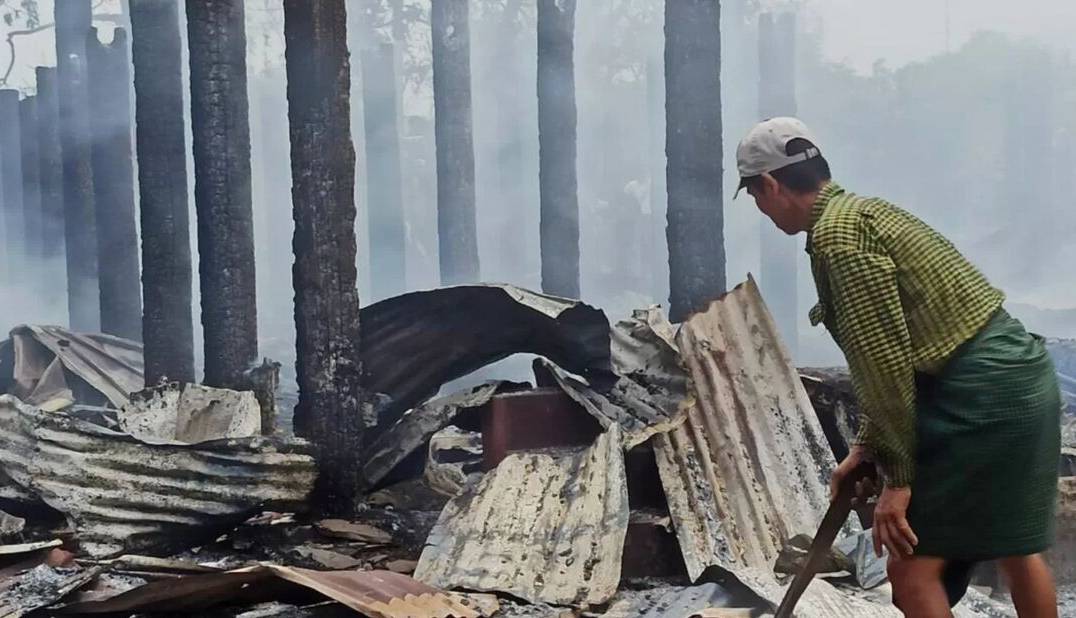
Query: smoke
[969,129]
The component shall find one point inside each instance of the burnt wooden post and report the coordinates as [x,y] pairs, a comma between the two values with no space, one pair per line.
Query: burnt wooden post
[113,184]
[777,97]
[72,27]
[222,190]
[52,185]
[33,236]
[384,201]
[326,300]
[167,322]
[11,190]
[559,228]
[693,147]
[455,142]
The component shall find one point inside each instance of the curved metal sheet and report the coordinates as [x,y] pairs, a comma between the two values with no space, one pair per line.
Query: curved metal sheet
[414,343]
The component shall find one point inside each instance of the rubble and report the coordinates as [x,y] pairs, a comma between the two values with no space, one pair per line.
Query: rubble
[655,470]
[125,495]
[378,594]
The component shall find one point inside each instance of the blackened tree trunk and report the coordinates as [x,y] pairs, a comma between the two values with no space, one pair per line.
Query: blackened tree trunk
[222,197]
[167,323]
[52,179]
[384,197]
[11,187]
[326,300]
[34,236]
[777,97]
[693,149]
[556,157]
[455,143]
[113,184]
[83,298]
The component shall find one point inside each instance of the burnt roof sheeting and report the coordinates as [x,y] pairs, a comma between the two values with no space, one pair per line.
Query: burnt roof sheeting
[99,368]
[125,496]
[415,428]
[412,344]
[749,467]
[650,391]
[545,527]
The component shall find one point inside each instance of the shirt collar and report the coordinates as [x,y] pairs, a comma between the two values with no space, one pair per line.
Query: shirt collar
[829,191]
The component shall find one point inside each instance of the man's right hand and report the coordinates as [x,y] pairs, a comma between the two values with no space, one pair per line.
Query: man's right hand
[856,456]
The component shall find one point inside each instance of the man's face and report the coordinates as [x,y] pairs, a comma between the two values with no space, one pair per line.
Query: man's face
[775,202]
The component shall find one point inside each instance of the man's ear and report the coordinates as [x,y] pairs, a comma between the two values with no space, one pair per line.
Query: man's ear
[770,186]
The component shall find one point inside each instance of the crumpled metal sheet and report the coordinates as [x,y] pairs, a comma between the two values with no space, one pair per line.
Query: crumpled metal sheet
[414,343]
[190,413]
[648,393]
[543,526]
[94,369]
[379,594]
[417,426]
[749,468]
[123,495]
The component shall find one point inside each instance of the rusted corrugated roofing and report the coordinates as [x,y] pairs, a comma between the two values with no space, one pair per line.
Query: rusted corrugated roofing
[749,468]
[545,527]
[124,495]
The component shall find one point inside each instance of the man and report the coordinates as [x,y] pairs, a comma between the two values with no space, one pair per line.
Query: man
[960,405]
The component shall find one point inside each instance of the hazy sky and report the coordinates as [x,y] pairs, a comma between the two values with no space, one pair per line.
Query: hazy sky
[859,32]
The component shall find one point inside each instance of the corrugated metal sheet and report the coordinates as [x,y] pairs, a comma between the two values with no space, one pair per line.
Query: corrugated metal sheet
[414,343]
[749,468]
[380,594]
[544,527]
[126,496]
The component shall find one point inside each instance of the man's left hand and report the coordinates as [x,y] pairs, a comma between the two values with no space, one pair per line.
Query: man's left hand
[891,528]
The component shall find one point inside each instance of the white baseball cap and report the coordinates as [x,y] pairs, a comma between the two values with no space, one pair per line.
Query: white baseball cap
[763,149]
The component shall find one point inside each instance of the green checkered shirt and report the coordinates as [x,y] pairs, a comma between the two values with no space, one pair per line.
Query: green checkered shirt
[898,298]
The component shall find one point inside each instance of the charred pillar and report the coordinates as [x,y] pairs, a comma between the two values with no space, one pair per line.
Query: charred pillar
[51,178]
[384,198]
[113,184]
[83,298]
[777,97]
[559,228]
[11,189]
[693,149]
[167,323]
[33,236]
[222,197]
[326,301]
[455,143]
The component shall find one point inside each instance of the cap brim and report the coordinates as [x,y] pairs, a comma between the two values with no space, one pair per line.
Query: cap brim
[743,185]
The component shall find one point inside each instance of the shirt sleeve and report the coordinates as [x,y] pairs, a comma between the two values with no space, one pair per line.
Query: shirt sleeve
[875,340]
